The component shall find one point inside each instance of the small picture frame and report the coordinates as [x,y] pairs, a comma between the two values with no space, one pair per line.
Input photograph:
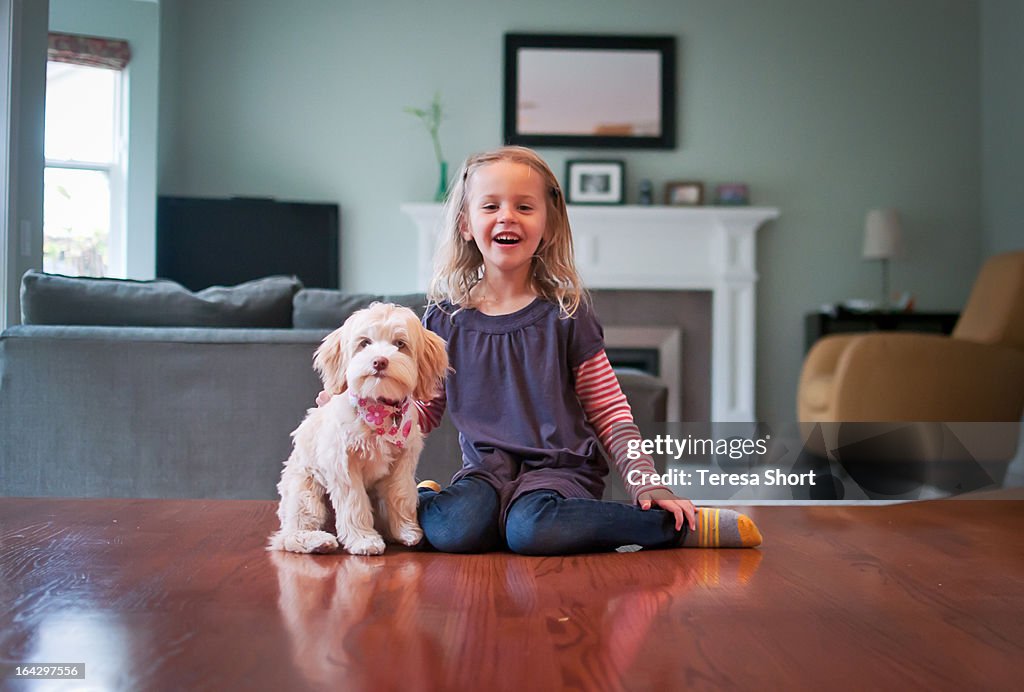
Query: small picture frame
[684,193]
[595,182]
[732,194]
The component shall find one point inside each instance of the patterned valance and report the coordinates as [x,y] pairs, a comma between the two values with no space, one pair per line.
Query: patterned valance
[109,53]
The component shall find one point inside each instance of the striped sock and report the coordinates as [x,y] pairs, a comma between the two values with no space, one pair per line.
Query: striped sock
[722,528]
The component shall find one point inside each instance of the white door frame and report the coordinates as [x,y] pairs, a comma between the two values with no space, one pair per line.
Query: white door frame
[23,27]
[7,58]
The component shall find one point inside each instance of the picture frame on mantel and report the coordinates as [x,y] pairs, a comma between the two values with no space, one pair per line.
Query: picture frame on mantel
[595,182]
[684,193]
[590,91]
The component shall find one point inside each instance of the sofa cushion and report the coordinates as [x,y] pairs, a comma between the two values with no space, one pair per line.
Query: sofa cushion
[319,308]
[66,300]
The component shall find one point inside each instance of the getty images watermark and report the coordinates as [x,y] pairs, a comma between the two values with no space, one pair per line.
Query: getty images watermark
[823,462]
[733,448]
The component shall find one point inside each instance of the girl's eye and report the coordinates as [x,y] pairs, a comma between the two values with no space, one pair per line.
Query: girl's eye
[525,207]
[490,207]
[401,345]
[363,343]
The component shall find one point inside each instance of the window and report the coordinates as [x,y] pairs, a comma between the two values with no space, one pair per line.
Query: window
[84,178]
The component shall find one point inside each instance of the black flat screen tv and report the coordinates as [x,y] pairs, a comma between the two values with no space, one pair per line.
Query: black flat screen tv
[202,242]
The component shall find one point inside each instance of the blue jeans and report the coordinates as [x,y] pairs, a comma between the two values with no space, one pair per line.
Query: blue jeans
[464,519]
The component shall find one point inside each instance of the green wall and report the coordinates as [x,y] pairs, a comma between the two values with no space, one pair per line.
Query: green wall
[1002,124]
[826,108]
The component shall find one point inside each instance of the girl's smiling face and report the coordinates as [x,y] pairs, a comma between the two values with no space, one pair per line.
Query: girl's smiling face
[506,216]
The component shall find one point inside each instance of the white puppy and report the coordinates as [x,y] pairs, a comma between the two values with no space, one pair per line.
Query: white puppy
[361,447]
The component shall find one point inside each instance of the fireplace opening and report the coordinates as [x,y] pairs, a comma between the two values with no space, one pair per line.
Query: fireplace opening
[646,360]
[654,350]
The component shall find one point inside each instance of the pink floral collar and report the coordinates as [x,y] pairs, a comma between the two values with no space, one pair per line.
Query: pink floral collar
[391,420]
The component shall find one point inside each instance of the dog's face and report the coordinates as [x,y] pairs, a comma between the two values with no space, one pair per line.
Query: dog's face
[383,352]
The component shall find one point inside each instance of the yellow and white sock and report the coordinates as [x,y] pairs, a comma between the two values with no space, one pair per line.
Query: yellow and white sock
[722,528]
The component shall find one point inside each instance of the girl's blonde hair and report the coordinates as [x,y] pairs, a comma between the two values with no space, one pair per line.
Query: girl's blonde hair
[458,265]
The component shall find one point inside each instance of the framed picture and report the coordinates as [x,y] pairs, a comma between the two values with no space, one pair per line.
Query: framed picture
[595,182]
[589,90]
[732,194]
[684,193]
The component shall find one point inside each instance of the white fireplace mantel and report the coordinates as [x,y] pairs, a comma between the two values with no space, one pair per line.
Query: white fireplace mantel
[666,248]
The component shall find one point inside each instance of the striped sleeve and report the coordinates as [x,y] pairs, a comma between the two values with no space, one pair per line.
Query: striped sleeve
[608,411]
[430,412]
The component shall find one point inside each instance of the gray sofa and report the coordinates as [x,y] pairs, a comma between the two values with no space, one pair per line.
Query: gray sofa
[107,391]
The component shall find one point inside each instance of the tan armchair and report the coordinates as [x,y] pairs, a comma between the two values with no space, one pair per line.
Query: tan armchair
[977,374]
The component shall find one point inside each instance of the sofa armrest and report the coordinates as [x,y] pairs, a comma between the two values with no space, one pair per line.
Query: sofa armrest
[925,377]
[824,355]
[817,374]
[151,412]
[647,395]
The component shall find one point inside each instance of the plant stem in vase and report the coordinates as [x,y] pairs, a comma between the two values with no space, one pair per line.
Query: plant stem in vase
[431,118]
[442,185]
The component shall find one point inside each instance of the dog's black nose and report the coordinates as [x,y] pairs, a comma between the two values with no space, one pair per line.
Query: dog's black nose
[380,364]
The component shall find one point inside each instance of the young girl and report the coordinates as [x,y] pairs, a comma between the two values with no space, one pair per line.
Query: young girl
[532,392]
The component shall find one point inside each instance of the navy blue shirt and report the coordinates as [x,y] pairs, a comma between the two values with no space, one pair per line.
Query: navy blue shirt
[512,397]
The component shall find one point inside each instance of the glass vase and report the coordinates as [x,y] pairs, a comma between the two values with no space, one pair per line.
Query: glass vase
[442,185]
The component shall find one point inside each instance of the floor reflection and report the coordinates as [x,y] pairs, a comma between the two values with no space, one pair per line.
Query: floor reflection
[353,619]
[437,621]
[100,641]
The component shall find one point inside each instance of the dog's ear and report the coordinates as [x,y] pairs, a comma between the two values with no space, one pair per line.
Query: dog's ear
[331,361]
[431,365]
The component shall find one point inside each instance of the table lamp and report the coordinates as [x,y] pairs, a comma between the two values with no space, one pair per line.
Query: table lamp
[883,241]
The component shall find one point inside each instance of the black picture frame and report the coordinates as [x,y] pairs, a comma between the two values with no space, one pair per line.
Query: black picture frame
[590,181]
[520,46]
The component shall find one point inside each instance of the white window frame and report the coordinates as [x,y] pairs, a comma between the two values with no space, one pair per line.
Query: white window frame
[117,177]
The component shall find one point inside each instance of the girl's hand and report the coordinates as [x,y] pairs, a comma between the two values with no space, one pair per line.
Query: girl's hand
[323,397]
[681,507]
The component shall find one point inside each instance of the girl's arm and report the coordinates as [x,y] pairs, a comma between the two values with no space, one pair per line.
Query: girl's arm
[608,411]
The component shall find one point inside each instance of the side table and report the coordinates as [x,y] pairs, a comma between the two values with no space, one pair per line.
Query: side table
[819,324]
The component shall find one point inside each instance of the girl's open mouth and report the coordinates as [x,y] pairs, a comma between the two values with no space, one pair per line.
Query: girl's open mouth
[506,240]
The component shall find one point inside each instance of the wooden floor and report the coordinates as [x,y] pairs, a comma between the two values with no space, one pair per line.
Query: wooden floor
[155,595]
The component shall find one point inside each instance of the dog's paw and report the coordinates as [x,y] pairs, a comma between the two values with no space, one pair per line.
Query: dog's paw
[372,544]
[410,534]
[309,542]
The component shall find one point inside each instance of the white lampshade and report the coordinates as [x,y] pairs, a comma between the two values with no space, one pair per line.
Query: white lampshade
[882,234]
